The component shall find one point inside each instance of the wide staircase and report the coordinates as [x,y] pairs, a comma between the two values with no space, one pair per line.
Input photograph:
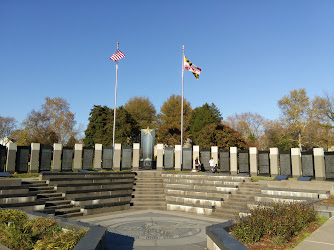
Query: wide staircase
[237,203]
[148,191]
[200,193]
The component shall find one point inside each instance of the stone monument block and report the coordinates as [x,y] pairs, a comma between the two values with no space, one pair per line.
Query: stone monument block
[107,158]
[319,164]
[126,157]
[98,156]
[178,157]
[253,161]
[135,161]
[274,162]
[264,163]
[243,161]
[77,157]
[307,164]
[187,159]
[57,153]
[160,156]
[67,159]
[45,158]
[3,152]
[205,158]
[87,158]
[169,158]
[329,165]
[147,151]
[285,163]
[234,160]
[296,162]
[11,157]
[224,161]
[34,159]
[22,159]
[214,154]
[195,155]
[117,157]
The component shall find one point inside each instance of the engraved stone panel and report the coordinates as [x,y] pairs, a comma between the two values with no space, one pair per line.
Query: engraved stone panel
[187,159]
[107,157]
[67,159]
[2,158]
[205,158]
[243,161]
[126,157]
[285,163]
[329,164]
[224,160]
[22,159]
[307,164]
[264,162]
[169,158]
[87,158]
[45,158]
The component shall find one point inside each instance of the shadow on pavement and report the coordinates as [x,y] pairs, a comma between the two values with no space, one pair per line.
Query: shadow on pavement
[119,242]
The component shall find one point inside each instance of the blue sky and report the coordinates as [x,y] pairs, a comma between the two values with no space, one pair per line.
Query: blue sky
[251,52]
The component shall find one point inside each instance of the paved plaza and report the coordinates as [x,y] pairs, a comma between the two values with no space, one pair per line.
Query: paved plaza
[153,229]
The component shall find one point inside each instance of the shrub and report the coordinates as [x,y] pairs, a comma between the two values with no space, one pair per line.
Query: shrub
[279,222]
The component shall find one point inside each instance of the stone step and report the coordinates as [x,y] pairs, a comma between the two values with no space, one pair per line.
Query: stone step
[62,211]
[68,215]
[142,207]
[194,201]
[57,202]
[148,203]
[278,198]
[44,195]
[197,209]
[60,206]
[296,193]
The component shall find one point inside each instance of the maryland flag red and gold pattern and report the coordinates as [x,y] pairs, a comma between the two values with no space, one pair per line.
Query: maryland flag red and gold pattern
[191,67]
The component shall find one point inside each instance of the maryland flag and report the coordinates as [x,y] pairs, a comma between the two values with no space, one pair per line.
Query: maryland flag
[191,67]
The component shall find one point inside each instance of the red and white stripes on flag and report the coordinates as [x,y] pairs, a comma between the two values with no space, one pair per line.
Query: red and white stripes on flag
[117,55]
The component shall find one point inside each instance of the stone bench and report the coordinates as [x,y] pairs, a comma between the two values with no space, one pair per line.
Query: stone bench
[17,198]
[197,200]
[279,198]
[58,181]
[30,206]
[47,176]
[85,186]
[190,208]
[8,190]
[202,181]
[296,192]
[207,177]
[206,193]
[72,194]
[105,207]
[83,201]
[220,188]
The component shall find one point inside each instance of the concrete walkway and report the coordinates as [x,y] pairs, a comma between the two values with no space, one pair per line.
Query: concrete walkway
[322,238]
[154,229]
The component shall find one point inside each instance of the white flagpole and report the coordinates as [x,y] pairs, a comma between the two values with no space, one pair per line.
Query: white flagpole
[182,107]
[113,132]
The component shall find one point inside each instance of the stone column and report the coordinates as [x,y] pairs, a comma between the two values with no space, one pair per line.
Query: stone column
[274,162]
[117,157]
[214,154]
[56,163]
[11,157]
[253,161]
[178,157]
[34,157]
[160,156]
[296,162]
[97,155]
[319,164]
[135,163]
[234,160]
[77,157]
[195,155]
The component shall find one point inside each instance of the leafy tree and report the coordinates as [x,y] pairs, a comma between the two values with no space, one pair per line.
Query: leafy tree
[323,109]
[142,110]
[220,135]
[202,116]
[100,127]
[249,125]
[295,110]
[53,123]
[169,120]
[7,125]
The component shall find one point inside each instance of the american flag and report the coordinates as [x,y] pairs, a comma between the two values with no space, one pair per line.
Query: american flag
[117,55]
